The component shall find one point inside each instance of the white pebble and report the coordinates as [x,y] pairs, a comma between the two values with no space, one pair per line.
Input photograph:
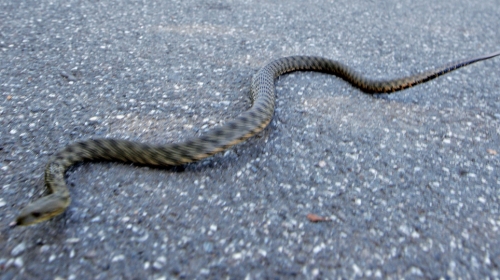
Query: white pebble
[44,248]
[118,258]
[160,262]
[404,229]
[318,249]
[262,252]
[18,262]
[72,240]
[18,249]
[237,256]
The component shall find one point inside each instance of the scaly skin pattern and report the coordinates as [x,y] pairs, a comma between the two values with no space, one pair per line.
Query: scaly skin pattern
[219,139]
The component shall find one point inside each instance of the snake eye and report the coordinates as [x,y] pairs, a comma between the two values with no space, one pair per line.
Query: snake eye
[36,214]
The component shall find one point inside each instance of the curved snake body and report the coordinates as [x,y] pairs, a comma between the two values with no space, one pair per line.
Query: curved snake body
[219,139]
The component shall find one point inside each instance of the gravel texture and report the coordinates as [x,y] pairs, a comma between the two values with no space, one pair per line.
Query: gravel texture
[407,185]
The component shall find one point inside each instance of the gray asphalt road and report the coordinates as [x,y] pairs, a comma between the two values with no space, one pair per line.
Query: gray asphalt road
[409,182]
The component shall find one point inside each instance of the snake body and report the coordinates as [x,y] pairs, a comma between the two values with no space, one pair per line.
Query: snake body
[216,140]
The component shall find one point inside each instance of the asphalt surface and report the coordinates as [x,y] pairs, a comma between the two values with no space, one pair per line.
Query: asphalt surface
[408,183]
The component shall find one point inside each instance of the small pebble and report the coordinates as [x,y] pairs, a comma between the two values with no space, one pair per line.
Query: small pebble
[18,249]
[19,262]
[160,262]
[72,240]
[118,258]
[208,247]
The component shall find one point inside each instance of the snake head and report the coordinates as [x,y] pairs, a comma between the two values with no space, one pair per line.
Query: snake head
[42,210]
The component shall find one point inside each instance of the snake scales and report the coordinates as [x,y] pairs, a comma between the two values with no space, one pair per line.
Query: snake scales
[219,139]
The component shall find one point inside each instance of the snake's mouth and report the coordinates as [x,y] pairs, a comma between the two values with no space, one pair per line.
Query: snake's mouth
[41,210]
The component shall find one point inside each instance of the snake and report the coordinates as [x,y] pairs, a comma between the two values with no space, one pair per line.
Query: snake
[218,139]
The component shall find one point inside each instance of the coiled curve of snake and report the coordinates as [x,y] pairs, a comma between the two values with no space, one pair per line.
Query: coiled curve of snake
[219,139]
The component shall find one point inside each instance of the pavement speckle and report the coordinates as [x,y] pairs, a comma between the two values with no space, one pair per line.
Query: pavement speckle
[18,249]
[407,184]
